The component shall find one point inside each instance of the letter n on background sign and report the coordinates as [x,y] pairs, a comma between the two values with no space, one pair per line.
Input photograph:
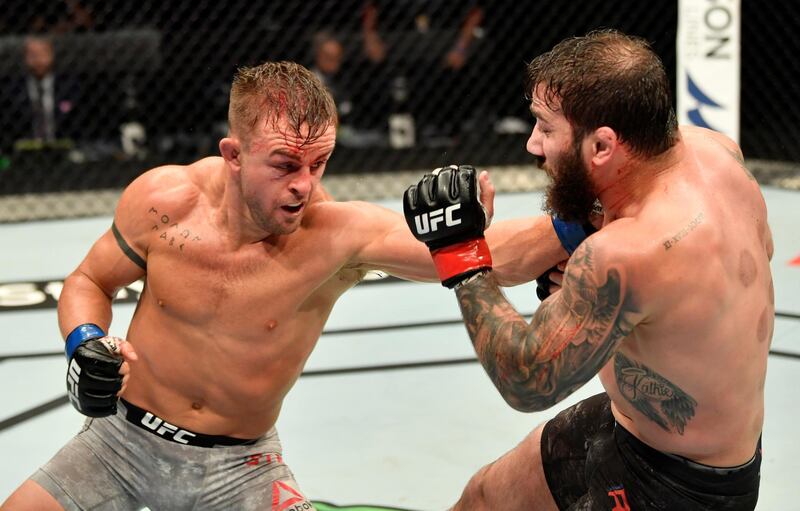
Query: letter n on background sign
[708,63]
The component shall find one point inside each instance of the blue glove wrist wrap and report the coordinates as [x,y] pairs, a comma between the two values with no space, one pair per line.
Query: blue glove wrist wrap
[80,334]
[571,234]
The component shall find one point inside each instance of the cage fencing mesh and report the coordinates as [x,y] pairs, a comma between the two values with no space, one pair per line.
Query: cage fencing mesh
[418,84]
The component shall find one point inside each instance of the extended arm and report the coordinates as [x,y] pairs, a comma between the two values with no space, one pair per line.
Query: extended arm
[571,336]
[522,249]
[448,210]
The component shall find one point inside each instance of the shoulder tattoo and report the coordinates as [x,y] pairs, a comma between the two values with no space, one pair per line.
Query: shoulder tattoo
[174,235]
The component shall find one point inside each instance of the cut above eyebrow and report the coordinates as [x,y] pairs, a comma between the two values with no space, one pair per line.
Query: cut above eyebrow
[295,157]
[283,152]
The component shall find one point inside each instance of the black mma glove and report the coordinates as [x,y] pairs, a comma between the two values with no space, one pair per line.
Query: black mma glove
[444,211]
[93,378]
[543,284]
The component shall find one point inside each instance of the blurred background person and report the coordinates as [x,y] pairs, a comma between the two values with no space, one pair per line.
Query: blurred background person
[433,51]
[328,55]
[357,84]
[60,17]
[43,102]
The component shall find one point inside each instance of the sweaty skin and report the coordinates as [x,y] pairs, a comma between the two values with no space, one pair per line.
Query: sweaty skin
[245,258]
[689,380]
[671,301]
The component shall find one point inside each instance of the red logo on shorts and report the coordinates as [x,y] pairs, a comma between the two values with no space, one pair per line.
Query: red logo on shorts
[262,457]
[620,499]
[284,496]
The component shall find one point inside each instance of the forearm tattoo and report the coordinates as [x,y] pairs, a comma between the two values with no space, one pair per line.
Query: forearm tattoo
[572,335]
[657,398]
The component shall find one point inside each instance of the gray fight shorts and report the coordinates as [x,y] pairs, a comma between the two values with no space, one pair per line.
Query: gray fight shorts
[134,459]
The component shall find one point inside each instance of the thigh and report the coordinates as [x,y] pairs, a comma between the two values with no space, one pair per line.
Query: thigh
[547,470]
[77,478]
[31,496]
[251,478]
[516,481]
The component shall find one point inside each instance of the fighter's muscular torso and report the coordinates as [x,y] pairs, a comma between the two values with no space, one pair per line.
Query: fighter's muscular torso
[671,302]
[223,329]
[689,380]
[223,335]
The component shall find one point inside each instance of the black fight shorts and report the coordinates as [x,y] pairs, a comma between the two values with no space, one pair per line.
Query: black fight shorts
[592,463]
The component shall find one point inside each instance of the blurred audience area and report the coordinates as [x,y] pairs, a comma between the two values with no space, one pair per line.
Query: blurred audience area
[94,92]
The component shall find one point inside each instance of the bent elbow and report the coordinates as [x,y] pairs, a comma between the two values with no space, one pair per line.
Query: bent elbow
[527,401]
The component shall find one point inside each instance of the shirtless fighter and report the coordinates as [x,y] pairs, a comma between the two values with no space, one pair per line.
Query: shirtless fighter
[671,302]
[244,257]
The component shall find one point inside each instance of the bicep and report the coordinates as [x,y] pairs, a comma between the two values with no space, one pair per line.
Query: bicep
[384,242]
[108,265]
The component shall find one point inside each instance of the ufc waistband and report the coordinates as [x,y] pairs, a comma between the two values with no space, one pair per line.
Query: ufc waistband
[159,427]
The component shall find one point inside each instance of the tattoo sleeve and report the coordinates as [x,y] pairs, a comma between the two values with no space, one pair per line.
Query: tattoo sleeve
[571,336]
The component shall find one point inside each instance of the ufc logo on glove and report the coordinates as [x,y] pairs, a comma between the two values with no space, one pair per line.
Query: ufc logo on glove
[457,245]
[428,222]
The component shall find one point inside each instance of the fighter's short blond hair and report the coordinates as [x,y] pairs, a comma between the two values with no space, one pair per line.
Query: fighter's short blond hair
[274,90]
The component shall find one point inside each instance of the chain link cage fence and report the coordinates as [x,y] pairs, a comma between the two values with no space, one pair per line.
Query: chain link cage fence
[418,84]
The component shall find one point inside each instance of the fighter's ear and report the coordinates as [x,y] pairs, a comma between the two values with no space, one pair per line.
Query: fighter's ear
[231,149]
[604,144]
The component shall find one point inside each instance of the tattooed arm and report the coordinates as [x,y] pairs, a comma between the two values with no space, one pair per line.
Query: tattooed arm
[570,338]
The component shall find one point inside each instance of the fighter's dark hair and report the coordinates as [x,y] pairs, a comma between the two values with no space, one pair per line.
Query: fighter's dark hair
[607,78]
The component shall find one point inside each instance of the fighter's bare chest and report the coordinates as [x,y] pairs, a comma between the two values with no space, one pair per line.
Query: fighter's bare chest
[196,283]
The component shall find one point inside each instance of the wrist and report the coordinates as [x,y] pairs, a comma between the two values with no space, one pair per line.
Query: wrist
[472,278]
[454,262]
[81,334]
[571,234]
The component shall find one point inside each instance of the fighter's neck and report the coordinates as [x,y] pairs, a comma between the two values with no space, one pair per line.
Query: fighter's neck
[231,215]
[623,194]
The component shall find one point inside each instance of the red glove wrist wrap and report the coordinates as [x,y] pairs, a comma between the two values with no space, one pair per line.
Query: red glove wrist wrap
[462,257]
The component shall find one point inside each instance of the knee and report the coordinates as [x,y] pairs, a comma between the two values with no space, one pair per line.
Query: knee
[475,495]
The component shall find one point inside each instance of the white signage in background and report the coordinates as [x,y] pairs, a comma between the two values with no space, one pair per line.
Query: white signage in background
[708,63]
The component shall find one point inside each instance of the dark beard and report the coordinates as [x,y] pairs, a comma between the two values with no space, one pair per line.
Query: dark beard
[571,195]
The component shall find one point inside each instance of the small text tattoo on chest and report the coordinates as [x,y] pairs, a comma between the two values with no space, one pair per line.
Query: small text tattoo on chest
[172,233]
[668,244]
